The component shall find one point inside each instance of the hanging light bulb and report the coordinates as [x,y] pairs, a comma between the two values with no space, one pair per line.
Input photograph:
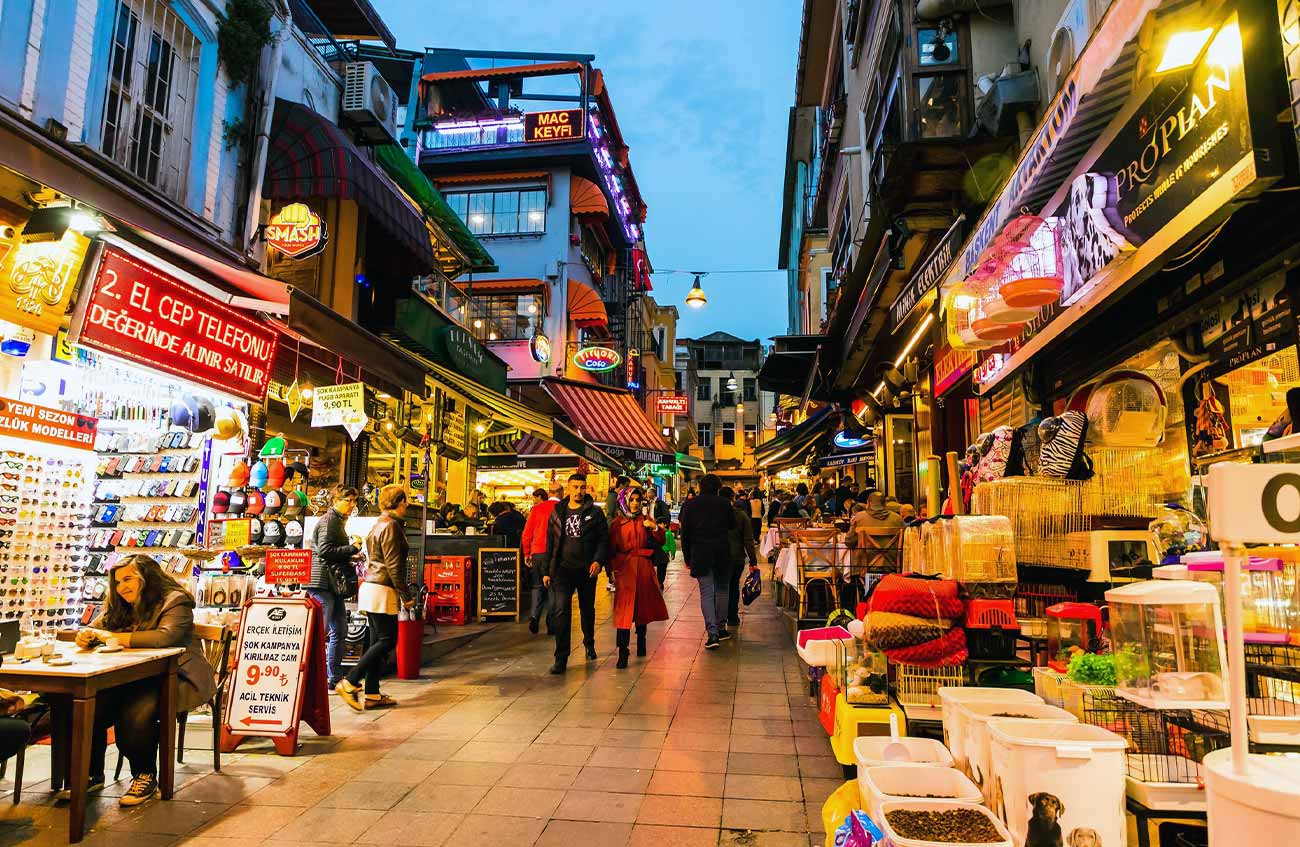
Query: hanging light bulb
[695,298]
[731,382]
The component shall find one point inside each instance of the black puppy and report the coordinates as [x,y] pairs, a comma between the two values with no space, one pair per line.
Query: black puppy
[1044,820]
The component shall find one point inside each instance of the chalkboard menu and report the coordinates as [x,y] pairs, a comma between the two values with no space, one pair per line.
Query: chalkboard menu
[498,582]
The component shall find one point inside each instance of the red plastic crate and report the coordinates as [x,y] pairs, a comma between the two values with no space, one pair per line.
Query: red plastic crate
[448,615]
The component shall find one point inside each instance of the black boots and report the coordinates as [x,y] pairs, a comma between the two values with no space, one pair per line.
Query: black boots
[621,638]
[622,658]
[640,641]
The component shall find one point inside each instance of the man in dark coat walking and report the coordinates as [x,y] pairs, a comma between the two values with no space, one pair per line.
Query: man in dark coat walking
[706,523]
[577,546]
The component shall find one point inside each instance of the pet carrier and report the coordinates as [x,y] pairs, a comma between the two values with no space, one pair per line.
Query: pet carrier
[991,629]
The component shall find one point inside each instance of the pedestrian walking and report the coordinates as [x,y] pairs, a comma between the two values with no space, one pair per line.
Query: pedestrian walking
[577,544]
[658,510]
[741,544]
[534,545]
[634,536]
[615,494]
[756,512]
[705,523]
[332,553]
[384,591]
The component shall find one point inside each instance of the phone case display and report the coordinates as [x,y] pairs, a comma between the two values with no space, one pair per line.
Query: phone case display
[220,590]
[146,493]
[1167,638]
[44,511]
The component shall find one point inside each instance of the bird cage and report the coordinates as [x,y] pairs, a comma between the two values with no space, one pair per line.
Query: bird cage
[919,686]
[980,549]
[1127,408]
[992,318]
[1033,273]
[914,549]
[960,318]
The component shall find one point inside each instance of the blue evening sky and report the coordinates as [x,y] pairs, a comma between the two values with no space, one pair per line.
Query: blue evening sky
[702,89]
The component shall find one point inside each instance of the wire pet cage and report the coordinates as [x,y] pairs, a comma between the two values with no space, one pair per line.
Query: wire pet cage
[1273,694]
[1165,747]
[918,686]
[1032,600]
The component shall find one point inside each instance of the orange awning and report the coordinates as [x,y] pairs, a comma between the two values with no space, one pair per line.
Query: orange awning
[586,309]
[512,71]
[586,198]
[493,176]
[505,287]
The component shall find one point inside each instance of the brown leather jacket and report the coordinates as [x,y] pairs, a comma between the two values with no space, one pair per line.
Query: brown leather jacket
[387,548]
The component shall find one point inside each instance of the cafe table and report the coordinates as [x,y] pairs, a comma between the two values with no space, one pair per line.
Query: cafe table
[81,681]
[787,562]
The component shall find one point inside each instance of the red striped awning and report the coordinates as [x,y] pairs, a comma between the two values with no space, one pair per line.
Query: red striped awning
[509,72]
[611,419]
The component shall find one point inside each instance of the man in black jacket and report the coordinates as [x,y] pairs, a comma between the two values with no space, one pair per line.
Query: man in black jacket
[577,546]
[662,516]
[331,551]
[706,523]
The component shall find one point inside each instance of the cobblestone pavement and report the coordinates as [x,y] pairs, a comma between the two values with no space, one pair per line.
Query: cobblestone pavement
[684,748]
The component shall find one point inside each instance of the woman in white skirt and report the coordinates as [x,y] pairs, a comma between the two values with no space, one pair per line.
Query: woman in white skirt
[381,595]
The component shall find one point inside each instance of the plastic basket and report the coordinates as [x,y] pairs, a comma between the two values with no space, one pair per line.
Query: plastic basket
[889,784]
[991,629]
[1075,696]
[1047,684]
[918,686]
[869,751]
[820,648]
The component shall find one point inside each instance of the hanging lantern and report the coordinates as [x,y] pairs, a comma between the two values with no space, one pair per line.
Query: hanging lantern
[1034,273]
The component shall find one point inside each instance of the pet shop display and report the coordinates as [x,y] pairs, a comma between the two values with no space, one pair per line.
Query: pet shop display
[1265,604]
[869,751]
[1167,639]
[975,744]
[1071,627]
[889,783]
[921,823]
[1049,778]
[954,730]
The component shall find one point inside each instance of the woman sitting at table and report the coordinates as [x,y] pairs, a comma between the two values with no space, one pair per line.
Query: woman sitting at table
[144,608]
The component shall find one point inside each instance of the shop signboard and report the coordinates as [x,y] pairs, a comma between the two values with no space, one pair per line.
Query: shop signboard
[1259,504]
[296,231]
[340,405]
[539,346]
[454,441]
[950,366]
[597,359]
[557,125]
[288,567]
[1288,12]
[844,460]
[498,582]
[29,422]
[1256,323]
[672,404]
[927,275]
[139,313]
[637,455]
[37,278]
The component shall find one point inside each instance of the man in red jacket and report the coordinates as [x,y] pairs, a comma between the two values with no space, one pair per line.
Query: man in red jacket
[534,544]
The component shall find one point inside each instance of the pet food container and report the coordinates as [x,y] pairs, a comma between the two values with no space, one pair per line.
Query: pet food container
[896,840]
[1052,778]
[869,750]
[1260,806]
[954,724]
[976,718]
[888,784]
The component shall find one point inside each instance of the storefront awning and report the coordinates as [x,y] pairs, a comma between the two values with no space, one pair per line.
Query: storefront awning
[345,20]
[687,462]
[567,450]
[264,294]
[464,252]
[611,419]
[321,325]
[586,198]
[503,287]
[791,446]
[490,177]
[586,309]
[311,157]
[511,72]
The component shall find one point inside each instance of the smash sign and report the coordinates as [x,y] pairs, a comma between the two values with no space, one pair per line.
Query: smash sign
[141,314]
[296,231]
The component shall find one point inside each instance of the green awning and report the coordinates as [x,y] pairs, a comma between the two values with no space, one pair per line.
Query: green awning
[412,180]
[689,463]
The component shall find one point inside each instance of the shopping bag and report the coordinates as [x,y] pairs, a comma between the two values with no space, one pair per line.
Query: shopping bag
[752,589]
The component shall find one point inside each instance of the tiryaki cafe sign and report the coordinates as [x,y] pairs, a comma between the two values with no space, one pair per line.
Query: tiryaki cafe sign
[597,359]
[296,231]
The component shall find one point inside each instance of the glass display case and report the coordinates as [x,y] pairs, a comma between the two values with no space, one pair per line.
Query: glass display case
[864,674]
[1071,626]
[1167,638]
[1265,605]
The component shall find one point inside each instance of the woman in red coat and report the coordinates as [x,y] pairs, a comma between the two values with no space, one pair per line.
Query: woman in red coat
[633,538]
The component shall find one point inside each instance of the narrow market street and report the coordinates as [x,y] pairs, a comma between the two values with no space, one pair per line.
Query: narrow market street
[684,748]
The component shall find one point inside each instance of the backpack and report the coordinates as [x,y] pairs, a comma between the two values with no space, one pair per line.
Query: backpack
[993,464]
[1062,455]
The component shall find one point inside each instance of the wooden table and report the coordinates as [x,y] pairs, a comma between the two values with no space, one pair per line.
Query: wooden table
[81,681]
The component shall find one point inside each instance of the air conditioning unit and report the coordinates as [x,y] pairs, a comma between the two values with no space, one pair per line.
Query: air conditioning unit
[369,103]
[1071,34]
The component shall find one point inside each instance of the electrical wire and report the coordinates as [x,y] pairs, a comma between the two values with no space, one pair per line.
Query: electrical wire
[1194,252]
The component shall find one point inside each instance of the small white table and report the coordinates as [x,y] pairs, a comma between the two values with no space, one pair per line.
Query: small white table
[787,563]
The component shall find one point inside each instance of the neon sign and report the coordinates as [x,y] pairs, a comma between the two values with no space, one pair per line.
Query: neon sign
[847,441]
[560,125]
[597,359]
[540,347]
[296,231]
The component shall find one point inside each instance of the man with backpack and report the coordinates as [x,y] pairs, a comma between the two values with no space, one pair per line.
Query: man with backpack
[333,576]
[577,546]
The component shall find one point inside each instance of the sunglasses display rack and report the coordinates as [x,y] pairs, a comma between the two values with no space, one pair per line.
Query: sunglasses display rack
[45,505]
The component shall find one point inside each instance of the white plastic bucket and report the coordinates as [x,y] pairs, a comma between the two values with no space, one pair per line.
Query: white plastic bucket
[869,750]
[888,784]
[975,719]
[954,728]
[1260,807]
[1050,779]
[895,840]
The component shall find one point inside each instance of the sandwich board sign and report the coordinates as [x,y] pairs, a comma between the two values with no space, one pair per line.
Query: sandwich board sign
[278,674]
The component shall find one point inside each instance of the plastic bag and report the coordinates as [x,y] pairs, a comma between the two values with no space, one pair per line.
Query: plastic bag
[843,801]
[752,588]
[858,830]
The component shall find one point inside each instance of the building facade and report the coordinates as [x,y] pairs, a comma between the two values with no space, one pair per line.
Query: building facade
[729,416]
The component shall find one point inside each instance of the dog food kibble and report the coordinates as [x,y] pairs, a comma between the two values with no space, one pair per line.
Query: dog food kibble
[948,826]
[1011,715]
[927,796]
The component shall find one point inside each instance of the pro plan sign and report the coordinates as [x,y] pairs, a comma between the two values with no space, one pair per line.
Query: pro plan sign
[149,317]
[296,231]
[561,125]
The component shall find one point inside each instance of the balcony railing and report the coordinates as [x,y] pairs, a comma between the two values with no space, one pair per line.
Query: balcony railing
[456,134]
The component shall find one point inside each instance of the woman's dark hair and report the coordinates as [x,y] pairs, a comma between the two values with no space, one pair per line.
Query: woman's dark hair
[726,493]
[120,616]
[539,493]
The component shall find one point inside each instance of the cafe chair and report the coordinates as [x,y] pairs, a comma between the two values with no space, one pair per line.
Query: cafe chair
[879,551]
[215,641]
[817,567]
[815,536]
[31,715]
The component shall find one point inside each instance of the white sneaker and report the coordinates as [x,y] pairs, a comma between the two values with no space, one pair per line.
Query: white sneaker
[143,789]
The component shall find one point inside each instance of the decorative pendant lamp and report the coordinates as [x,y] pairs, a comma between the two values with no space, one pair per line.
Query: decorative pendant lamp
[1030,247]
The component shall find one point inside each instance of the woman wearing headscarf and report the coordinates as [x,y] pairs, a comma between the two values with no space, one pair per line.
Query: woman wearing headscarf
[144,608]
[633,538]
